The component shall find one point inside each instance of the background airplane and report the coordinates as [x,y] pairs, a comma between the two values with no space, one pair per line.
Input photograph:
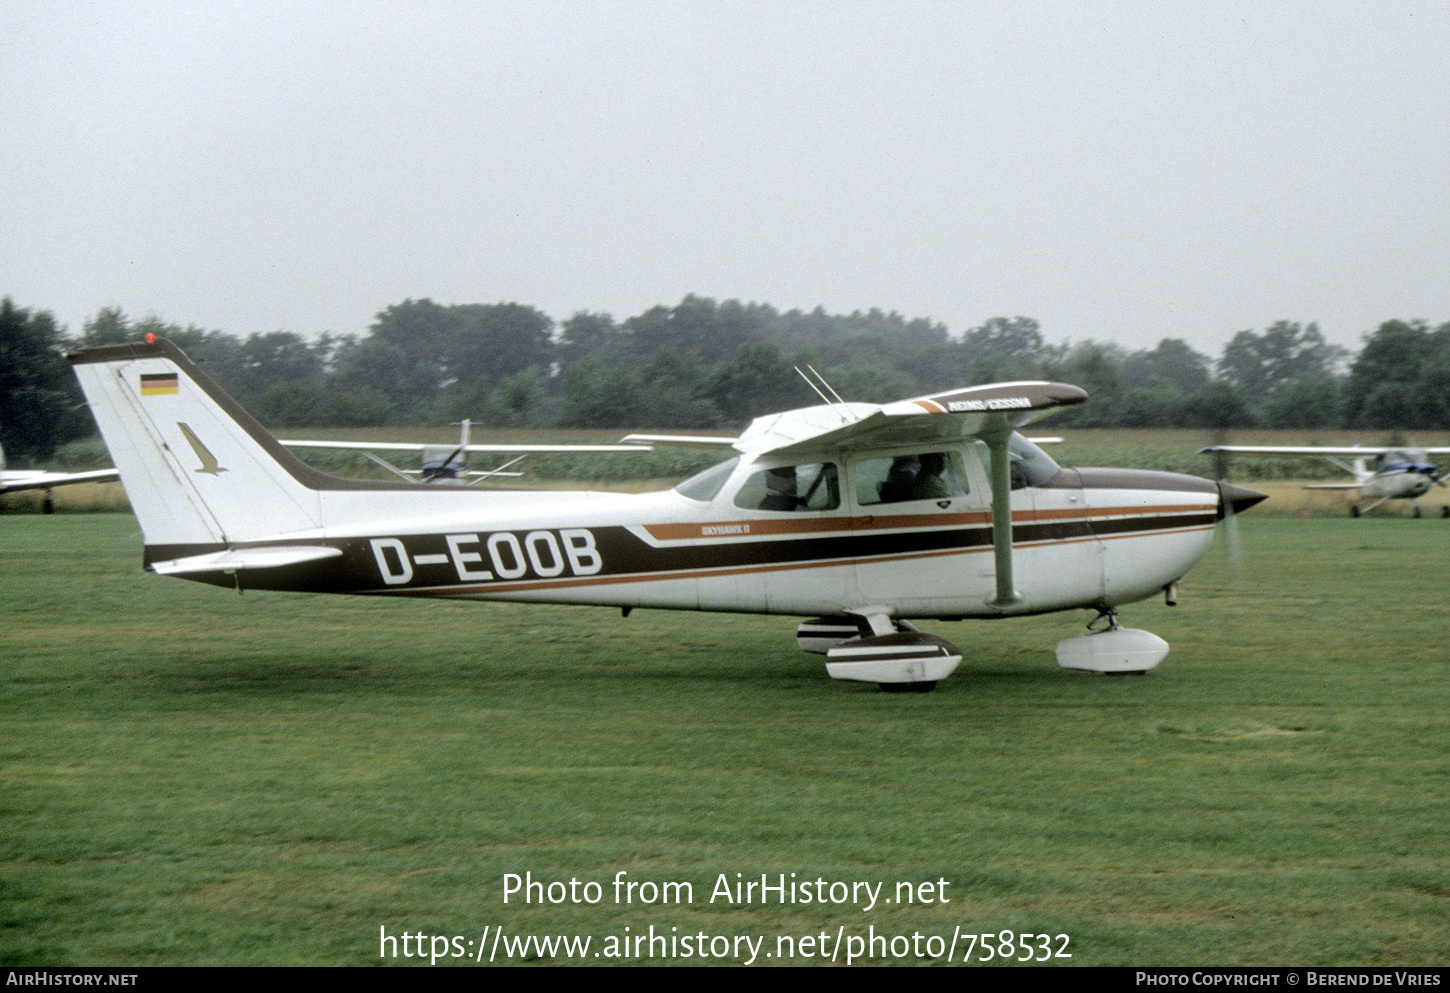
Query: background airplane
[448,464]
[1380,474]
[15,480]
[860,517]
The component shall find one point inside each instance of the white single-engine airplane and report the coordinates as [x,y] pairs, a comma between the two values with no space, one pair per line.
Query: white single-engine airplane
[860,517]
[15,480]
[1397,473]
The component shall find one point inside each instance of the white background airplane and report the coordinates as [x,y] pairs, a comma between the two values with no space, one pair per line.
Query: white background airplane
[1380,474]
[16,480]
[860,517]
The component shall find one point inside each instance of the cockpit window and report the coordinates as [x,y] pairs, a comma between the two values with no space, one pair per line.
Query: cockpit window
[1403,457]
[705,486]
[815,486]
[912,476]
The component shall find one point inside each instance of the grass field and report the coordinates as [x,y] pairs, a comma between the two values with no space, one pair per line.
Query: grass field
[195,777]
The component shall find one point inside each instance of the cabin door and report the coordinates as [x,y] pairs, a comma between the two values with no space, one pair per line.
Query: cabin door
[923,529]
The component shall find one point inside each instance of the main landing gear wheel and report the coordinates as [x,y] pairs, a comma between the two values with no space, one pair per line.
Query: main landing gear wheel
[1353,510]
[903,662]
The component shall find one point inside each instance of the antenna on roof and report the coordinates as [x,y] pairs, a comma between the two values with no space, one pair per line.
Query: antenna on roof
[822,380]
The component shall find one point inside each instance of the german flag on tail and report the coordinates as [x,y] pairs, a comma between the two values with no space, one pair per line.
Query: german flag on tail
[158,384]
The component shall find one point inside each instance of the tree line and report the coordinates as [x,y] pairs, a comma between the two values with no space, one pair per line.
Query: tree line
[704,364]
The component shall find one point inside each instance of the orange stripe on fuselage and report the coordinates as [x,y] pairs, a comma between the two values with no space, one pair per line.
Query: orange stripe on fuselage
[777,527]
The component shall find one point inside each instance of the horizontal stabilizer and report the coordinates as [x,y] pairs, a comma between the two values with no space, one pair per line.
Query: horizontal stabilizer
[22,479]
[234,559]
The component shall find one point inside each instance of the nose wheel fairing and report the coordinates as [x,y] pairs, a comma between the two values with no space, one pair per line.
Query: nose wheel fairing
[1111,649]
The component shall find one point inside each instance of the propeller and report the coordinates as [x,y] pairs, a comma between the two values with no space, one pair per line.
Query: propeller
[444,469]
[1232,500]
[1232,540]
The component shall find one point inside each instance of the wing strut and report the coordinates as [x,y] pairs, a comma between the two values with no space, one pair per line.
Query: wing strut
[1007,595]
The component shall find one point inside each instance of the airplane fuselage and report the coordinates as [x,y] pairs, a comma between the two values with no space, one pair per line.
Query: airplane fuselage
[1402,482]
[1083,538]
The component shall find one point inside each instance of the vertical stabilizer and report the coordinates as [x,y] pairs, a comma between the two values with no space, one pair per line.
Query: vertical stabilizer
[198,469]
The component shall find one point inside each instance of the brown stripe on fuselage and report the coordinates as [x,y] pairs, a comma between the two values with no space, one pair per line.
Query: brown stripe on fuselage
[836,553]
[627,558]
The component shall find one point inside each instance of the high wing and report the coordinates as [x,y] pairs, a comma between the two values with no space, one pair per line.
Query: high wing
[975,412]
[14,480]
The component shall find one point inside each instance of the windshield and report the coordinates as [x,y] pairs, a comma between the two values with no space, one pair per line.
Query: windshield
[1030,465]
[1034,465]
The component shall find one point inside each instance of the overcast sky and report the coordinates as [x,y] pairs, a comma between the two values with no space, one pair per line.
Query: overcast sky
[1121,171]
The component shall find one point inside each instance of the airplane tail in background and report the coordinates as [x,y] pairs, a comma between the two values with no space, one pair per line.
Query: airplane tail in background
[198,469]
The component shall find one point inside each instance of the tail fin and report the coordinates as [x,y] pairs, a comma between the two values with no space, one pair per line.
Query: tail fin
[198,469]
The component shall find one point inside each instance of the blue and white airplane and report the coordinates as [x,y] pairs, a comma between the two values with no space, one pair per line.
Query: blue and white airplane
[1380,474]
